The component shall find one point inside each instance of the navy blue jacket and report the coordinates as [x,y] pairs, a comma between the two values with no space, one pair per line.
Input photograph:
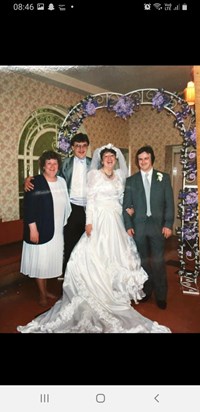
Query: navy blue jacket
[38,208]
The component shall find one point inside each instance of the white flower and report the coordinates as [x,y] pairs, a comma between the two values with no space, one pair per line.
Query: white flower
[159,176]
[108,146]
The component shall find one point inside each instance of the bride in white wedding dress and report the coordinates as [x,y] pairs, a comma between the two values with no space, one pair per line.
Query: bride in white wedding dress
[104,272]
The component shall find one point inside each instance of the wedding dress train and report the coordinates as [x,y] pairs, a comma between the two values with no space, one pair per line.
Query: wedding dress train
[103,273]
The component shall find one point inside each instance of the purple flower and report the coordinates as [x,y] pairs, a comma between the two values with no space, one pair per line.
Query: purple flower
[193,136]
[64,144]
[190,232]
[189,253]
[192,155]
[189,214]
[124,107]
[191,198]
[190,137]
[192,176]
[90,107]
[160,100]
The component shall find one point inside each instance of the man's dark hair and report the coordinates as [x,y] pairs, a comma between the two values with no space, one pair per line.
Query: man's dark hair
[80,137]
[147,149]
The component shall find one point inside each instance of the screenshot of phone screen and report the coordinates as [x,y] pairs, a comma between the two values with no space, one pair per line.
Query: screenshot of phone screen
[101,20]
[99,398]
[85,373]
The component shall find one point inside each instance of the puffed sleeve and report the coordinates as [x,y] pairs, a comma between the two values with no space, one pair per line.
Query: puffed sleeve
[92,179]
[121,179]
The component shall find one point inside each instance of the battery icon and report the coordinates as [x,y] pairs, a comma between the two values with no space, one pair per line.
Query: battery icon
[184,6]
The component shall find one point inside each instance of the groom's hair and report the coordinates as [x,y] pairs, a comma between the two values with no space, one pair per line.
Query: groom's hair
[147,149]
[80,137]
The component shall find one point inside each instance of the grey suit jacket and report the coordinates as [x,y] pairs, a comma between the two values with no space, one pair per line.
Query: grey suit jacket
[161,201]
[67,168]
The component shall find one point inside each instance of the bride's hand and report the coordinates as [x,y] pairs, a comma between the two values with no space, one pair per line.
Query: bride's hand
[88,229]
[130,211]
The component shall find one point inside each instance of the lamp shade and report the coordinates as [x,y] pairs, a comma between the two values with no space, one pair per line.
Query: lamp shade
[190,93]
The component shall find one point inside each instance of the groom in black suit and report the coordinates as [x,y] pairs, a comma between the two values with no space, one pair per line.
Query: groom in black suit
[151,222]
[74,170]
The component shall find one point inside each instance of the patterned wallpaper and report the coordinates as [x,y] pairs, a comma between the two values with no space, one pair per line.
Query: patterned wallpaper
[146,126]
[21,95]
[105,128]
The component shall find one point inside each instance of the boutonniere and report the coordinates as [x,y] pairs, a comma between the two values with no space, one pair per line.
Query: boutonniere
[159,176]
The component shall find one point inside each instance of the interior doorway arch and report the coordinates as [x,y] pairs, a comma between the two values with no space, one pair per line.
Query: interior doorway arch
[39,133]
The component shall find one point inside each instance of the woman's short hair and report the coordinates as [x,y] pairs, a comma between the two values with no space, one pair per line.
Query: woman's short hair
[107,150]
[47,155]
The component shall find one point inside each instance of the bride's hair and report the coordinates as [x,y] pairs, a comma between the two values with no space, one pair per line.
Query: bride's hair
[106,150]
[98,154]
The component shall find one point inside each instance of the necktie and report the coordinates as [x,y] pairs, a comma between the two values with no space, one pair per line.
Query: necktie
[147,193]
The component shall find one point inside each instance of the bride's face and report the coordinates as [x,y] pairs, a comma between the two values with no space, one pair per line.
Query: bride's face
[109,160]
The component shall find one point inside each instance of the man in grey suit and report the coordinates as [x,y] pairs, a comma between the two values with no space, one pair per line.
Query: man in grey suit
[149,193]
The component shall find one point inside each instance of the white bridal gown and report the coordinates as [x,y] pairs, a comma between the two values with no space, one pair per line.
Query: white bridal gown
[103,273]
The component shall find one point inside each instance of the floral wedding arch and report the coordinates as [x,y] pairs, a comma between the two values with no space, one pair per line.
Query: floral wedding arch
[124,106]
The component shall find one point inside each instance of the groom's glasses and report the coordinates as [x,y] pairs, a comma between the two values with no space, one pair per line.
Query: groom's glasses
[84,145]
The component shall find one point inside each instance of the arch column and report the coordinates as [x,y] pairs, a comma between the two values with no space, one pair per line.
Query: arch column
[197,111]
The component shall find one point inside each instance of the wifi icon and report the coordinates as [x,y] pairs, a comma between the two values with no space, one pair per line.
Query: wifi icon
[157,6]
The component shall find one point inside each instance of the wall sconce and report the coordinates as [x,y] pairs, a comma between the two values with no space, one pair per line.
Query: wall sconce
[189,94]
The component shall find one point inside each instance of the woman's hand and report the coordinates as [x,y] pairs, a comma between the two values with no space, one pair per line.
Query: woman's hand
[27,184]
[34,234]
[88,229]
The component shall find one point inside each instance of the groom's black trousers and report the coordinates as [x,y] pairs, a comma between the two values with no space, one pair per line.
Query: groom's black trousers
[73,230]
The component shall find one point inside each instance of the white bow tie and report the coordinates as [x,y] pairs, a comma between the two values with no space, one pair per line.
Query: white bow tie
[80,160]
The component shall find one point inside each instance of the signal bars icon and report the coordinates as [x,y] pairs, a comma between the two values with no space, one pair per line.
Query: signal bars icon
[158,6]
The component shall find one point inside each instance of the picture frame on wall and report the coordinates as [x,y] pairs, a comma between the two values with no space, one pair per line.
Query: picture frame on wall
[126,151]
